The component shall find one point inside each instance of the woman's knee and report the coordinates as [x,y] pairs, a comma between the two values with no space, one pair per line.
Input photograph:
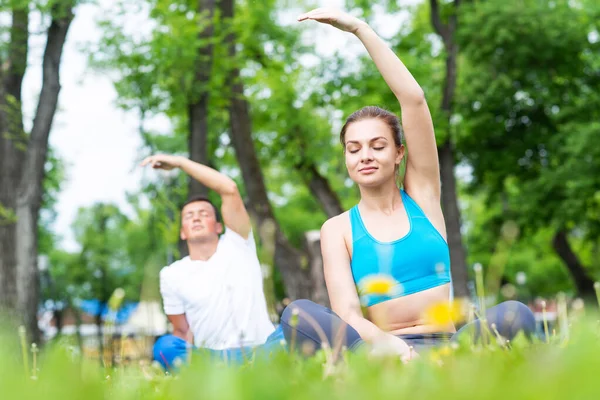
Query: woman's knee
[304,320]
[514,316]
[296,323]
[297,307]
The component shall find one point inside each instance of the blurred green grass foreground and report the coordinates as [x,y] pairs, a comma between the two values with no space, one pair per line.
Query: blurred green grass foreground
[563,364]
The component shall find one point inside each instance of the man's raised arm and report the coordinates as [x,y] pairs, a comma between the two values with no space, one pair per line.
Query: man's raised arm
[235,215]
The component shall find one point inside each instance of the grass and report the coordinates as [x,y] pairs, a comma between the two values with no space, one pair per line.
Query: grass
[564,368]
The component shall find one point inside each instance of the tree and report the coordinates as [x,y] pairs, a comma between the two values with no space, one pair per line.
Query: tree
[447,31]
[48,241]
[494,240]
[289,260]
[116,251]
[104,262]
[199,96]
[23,155]
[163,66]
[287,111]
[530,94]
[61,286]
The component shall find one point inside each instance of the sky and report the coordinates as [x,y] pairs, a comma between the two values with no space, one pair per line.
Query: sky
[99,142]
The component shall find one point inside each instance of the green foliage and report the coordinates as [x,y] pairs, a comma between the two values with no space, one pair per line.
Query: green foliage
[526,117]
[529,254]
[104,265]
[66,282]
[524,91]
[116,252]
[156,70]
[527,110]
[366,7]
[7,215]
[53,180]
[11,108]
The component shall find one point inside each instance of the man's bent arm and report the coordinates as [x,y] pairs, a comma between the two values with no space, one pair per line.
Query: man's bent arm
[209,177]
[233,210]
[181,328]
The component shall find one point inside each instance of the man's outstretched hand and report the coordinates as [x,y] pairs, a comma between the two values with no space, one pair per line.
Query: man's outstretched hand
[162,161]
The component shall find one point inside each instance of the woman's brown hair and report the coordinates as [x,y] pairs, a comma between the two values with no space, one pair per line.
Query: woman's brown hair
[374,112]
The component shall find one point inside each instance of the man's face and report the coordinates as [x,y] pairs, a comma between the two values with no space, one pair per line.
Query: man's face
[199,222]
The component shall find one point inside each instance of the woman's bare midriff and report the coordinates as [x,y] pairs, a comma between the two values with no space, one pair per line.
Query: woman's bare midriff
[404,315]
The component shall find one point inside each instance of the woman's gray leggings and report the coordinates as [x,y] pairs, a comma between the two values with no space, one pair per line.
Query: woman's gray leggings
[312,324]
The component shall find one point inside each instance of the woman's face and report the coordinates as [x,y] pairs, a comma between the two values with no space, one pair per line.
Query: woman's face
[371,153]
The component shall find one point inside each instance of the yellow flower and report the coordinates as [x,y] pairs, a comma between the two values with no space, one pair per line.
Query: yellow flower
[434,357]
[445,351]
[437,355]
[379,285]
[445,313]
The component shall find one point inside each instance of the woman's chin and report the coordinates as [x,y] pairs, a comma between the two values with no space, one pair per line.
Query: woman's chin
[370,181]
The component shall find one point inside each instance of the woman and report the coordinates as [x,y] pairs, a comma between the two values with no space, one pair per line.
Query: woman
[396,233]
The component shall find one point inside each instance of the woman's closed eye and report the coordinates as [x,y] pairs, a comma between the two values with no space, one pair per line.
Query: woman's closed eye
[378,148]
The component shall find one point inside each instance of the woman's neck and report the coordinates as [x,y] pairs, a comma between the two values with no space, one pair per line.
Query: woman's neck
[385,198]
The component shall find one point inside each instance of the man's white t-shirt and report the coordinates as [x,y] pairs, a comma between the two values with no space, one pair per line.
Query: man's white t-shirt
[222,297]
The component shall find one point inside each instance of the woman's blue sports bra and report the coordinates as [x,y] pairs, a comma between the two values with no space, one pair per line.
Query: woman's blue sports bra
[418,261]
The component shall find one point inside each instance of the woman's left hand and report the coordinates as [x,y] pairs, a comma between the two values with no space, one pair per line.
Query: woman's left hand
[333,17]
[162,161]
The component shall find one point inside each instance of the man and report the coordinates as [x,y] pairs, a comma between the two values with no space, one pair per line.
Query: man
[213,297]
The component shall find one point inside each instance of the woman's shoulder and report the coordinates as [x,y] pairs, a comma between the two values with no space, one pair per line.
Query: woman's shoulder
[340,224]
[336,236]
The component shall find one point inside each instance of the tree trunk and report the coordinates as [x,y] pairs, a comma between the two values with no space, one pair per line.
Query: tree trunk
[319,290]
[100,337]
[77,316]
[58,318]
[331,205]
[8,262]
[198,107]
[30,187]
[28,279]
[12,145]
[458,257]
[320,188]
[292,263]
[583,283]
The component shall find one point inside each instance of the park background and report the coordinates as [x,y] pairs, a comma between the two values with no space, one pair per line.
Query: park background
[89,88]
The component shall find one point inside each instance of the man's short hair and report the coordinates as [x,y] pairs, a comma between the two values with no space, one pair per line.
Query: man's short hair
[195,198]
